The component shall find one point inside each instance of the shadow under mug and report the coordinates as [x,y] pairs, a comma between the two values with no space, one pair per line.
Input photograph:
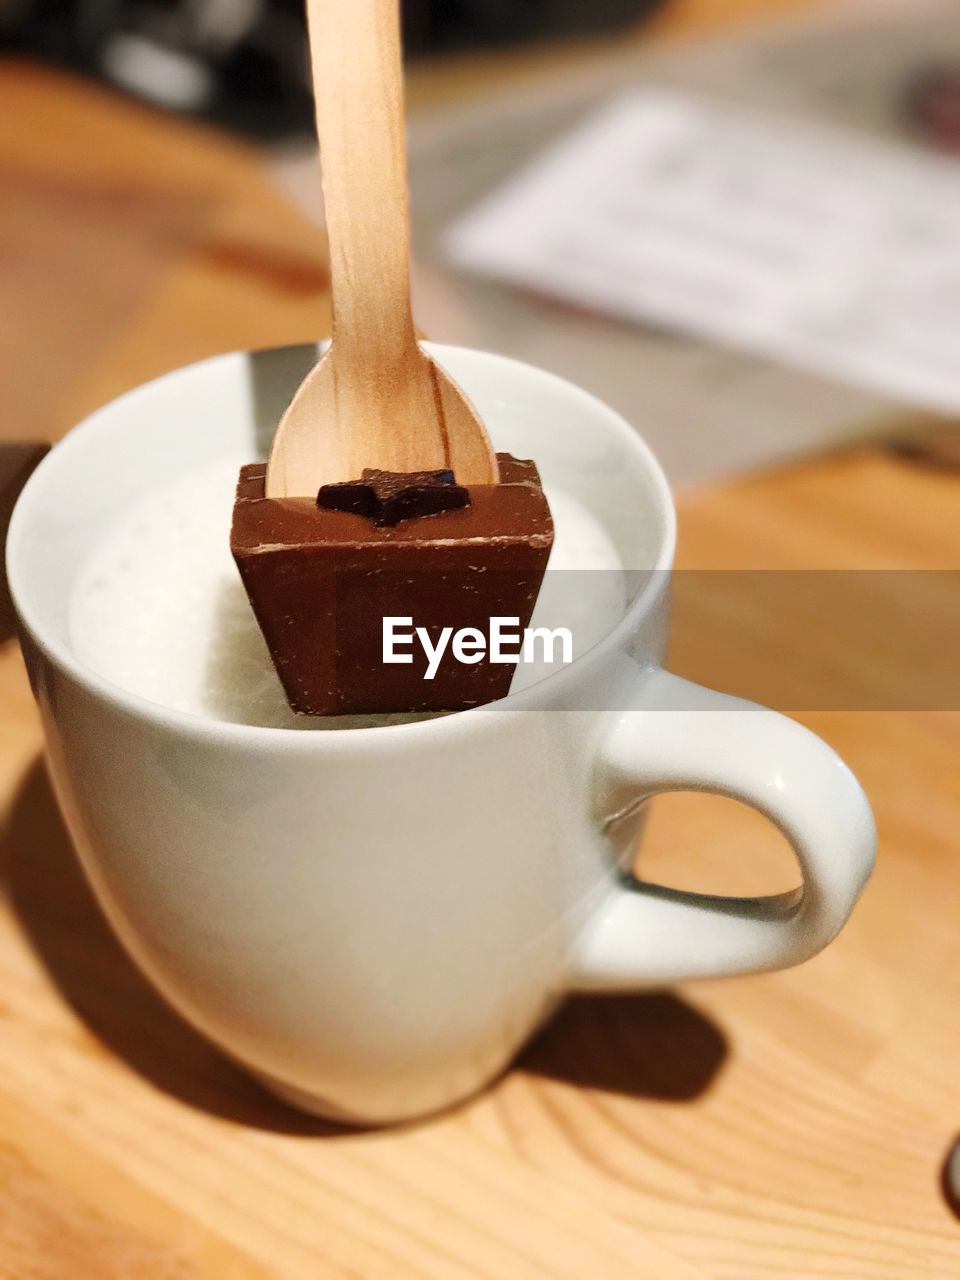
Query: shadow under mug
[374,921]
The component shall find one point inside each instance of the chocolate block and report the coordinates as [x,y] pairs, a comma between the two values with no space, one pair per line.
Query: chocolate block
[321,582]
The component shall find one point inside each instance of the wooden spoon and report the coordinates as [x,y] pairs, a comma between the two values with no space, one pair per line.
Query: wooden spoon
[375,399]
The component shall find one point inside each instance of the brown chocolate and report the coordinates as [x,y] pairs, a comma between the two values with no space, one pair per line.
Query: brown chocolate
[387,497]
[321,582]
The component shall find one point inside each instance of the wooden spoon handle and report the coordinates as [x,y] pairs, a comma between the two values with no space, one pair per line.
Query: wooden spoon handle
[355,54]
[375,399]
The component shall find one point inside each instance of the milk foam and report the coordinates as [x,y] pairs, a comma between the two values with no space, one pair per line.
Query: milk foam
[160,609]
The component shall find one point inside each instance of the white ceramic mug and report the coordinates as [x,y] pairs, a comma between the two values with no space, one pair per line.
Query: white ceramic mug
[374,921]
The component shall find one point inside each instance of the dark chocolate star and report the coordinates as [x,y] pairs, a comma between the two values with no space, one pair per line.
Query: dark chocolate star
[387,497]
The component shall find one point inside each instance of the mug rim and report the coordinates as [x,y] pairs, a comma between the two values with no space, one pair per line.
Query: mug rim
[138,707]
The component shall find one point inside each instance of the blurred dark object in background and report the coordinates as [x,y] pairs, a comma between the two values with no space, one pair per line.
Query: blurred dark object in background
[934,102]
[242,63]
[236,63]
[439,25]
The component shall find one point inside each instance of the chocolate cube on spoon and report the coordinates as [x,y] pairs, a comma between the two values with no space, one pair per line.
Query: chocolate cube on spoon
[323,581]
[383,498]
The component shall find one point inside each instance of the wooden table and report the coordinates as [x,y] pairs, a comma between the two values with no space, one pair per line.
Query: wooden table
[784,1126]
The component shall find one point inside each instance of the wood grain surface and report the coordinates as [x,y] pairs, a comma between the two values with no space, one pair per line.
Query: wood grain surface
[788,1126]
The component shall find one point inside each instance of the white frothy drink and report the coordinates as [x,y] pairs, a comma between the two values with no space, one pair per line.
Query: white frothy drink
[160,609]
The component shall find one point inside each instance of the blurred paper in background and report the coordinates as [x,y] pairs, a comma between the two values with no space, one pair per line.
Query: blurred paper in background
[833,255]
[707,404]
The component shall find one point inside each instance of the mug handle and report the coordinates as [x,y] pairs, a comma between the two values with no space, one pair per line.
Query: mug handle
[689,738]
